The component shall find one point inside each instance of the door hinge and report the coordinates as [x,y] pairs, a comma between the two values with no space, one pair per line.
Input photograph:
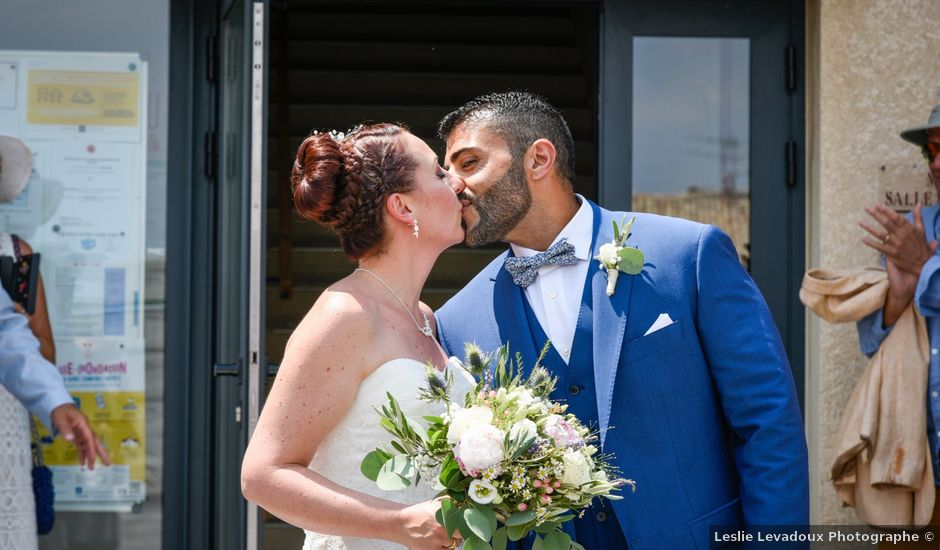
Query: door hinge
[791,68]
[212,58]
[227,369]
[210,154]
[791,162]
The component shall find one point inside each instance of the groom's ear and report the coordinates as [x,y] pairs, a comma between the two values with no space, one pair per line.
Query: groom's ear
[398,209]
[540,160]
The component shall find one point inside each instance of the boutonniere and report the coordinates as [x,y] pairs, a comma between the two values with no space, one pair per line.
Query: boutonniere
[615,257]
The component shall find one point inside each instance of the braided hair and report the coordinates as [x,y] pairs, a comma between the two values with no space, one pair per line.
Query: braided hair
[343,183]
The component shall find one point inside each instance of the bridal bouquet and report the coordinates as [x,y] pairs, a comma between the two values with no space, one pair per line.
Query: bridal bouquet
[506,455]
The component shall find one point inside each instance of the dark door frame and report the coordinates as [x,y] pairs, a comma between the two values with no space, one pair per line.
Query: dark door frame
[188,420]
[774,159]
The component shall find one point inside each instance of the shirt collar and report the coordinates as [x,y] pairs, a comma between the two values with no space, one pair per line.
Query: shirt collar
[578,233]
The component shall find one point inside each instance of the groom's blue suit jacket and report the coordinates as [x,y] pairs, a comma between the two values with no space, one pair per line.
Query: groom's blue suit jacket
[702,414]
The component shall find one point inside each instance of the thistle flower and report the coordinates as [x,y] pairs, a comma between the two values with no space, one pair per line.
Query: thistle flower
[478,361]
[439,385]
[541,382]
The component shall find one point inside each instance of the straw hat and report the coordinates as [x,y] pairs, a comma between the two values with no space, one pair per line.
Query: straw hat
[16,165]
[918,135]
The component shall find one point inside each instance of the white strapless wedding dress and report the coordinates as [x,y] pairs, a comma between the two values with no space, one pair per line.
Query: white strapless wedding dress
[359,433]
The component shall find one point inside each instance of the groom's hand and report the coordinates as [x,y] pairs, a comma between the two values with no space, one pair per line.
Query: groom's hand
[420,529]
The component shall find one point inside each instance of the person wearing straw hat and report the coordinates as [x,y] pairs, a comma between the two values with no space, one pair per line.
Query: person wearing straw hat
[909,245]
[28,382]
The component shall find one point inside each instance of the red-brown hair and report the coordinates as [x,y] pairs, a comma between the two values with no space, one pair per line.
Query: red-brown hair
[344,184]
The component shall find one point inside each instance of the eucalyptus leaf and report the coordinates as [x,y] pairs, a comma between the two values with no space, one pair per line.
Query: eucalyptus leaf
[390,481]
[499,539]
[538,543]
[517,532]
[489,514]
[372,463]
[403,466]
[576,546]
[476,544]
[520,518]
[557,540]
[451,516]
[478,523]
[631,260]
[546,527]
[396,473]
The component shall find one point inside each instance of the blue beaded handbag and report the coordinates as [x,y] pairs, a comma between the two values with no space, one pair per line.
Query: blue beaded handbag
[42,485]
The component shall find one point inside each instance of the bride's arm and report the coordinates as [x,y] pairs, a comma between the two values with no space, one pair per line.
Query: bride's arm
[315,386]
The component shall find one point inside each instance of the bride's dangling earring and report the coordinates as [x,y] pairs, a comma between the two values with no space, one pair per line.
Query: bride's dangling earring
[417,230]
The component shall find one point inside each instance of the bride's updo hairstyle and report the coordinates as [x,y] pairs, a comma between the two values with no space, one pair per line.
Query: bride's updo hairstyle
[343,183]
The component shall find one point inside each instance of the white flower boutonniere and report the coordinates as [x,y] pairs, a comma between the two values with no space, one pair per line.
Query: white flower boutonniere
[615,257]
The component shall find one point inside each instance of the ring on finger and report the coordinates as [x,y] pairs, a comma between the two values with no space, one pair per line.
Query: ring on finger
[886,238]
[453,544]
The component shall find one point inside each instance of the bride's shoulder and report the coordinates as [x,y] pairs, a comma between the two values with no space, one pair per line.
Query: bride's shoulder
[336,316]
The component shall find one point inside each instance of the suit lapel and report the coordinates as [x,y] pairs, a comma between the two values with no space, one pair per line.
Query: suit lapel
[610,321]
[511,321]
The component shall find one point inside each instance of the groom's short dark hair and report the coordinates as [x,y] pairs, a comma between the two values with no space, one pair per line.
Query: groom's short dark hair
[520,118]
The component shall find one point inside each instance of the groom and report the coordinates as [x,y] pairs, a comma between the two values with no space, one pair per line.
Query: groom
[682,368]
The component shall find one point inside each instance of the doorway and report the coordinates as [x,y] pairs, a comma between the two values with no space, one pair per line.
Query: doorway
[334,65]
[677,107]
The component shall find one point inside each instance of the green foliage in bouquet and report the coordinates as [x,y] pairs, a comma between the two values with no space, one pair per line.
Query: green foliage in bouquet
[510,460]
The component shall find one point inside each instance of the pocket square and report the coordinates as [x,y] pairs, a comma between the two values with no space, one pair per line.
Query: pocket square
[661,322]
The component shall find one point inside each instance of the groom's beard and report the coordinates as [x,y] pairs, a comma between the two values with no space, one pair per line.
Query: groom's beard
[500,208]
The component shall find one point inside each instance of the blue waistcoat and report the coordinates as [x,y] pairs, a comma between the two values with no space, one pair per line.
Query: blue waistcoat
[598,527]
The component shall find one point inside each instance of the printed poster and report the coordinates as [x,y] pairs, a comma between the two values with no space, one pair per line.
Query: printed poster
[84,117]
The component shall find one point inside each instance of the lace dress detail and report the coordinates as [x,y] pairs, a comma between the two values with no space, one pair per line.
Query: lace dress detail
[359,433]
[17,506]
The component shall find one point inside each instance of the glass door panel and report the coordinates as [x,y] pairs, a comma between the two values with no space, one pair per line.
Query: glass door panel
[95,209]
[691,121]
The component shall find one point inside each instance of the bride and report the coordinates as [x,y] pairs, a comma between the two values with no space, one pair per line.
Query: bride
[395,210]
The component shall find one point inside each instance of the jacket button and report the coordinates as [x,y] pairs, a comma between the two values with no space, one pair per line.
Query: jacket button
[574,389]
[601,517]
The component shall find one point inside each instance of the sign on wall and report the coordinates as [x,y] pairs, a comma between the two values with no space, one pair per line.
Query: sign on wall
[904,185]
[83,115]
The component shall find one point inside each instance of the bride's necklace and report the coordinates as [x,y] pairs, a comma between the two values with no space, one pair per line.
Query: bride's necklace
[426,329]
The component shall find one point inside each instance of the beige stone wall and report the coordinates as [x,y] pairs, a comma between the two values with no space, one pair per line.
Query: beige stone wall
[873,68]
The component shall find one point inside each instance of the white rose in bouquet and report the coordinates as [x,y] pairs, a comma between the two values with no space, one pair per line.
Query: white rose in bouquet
[578,468]
[461,419]
[557,428]
[480,447]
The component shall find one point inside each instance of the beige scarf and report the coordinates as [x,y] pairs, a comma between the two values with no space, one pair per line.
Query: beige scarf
[882,464]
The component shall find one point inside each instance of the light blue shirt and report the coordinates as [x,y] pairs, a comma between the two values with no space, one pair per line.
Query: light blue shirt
[35,382]
[871,333]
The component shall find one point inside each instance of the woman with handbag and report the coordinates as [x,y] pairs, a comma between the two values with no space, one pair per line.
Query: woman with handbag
[29,381]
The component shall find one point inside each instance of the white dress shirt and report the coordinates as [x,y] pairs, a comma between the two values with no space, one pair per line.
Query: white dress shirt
[555,295]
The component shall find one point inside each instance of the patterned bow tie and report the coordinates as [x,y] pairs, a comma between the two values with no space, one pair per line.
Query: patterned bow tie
[525,270]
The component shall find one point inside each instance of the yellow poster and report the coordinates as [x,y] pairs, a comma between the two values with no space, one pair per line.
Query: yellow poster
[83,98]
[118,420]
